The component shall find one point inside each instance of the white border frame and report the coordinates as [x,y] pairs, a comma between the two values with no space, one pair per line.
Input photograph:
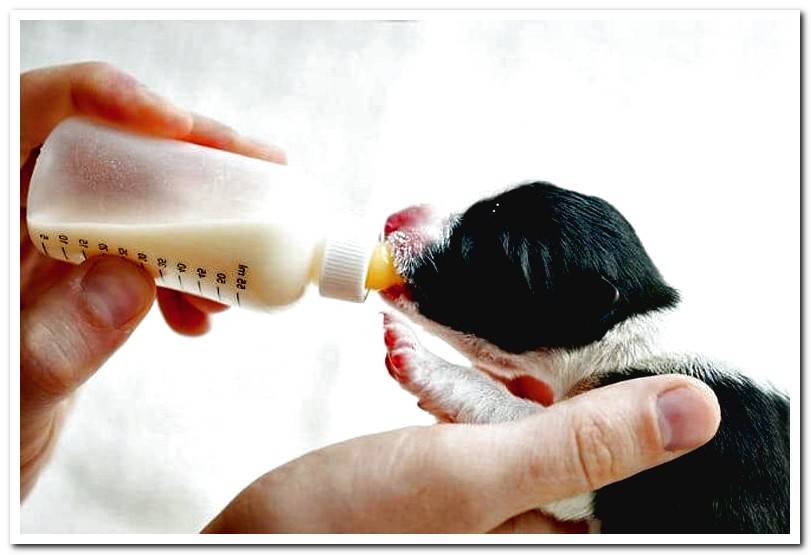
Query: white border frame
[18,537]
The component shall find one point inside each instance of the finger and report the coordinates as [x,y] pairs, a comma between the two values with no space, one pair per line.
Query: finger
[204,305]
[209,132]
[97,89]
[582,444]
[37,433]
[26,171]
[72,329]
[38,274]
[180,314]
[466,478]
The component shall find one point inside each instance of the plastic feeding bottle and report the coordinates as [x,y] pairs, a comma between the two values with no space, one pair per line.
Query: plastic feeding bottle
[211,223]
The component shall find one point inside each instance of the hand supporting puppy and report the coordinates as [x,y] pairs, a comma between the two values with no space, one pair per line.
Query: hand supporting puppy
[480,477]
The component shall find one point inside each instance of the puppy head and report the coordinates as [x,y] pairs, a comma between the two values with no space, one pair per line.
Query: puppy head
[532,268]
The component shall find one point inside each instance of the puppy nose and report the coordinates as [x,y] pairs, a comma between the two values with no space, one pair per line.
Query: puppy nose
[410,217]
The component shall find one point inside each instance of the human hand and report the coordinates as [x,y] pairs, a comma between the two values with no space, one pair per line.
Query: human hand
[451,478]
[73,317]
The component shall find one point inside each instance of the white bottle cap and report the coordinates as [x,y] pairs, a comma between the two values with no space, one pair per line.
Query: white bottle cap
[344,266]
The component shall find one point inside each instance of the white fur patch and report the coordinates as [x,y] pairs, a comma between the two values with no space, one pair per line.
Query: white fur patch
[629,341]
[579,507]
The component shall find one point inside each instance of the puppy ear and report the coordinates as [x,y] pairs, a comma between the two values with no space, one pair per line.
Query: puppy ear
[591,295]
[608,293]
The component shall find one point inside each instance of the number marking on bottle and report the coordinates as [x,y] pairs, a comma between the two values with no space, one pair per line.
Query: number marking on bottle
[64,240]
[180,269]
[44,238]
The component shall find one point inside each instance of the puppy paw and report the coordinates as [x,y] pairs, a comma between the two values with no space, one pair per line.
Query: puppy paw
[450,392]
[405,354]
[415,369]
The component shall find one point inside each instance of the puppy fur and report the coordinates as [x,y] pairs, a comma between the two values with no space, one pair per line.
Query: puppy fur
[548,283]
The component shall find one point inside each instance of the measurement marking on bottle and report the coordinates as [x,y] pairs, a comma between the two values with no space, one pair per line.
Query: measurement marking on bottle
[142,266]
[65,254]
[84,255]
[218,293]
[160,272]
[179,280]
[44,248]
[199,287]
[238,303]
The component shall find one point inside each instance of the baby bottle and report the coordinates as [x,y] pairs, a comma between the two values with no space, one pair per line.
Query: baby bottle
[211,223]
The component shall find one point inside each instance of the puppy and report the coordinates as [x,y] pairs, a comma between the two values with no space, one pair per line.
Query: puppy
[550,293]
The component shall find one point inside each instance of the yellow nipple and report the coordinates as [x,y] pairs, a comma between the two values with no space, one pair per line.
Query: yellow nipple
[382,274]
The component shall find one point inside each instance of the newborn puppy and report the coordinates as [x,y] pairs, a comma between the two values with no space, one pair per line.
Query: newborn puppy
[550,293]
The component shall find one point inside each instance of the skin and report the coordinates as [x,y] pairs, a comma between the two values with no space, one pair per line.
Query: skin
[442,478]
[64,340]
[459,478]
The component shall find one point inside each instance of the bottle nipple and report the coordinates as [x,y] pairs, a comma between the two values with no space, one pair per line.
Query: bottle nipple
[348,270]
[382,273]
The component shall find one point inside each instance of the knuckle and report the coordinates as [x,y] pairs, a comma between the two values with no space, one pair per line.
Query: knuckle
[95,85]
[596,449]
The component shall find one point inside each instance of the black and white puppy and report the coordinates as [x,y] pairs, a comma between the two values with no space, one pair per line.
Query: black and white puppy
[550,292]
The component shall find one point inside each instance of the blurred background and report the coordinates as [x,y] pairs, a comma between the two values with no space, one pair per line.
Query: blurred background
[687,122]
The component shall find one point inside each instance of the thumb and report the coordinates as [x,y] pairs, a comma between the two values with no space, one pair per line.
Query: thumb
[73,328]
[473,478]
[587,442]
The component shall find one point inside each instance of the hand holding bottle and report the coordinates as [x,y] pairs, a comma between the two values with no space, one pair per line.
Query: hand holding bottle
[73,317]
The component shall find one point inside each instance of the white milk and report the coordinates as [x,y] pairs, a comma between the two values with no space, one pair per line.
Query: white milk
[223,226]
[251,264]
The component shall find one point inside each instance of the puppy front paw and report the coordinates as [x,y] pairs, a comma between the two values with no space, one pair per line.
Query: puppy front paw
[411,365]
[402,356]
[450,392]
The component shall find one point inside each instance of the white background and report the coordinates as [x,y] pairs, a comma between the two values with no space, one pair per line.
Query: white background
[688,123]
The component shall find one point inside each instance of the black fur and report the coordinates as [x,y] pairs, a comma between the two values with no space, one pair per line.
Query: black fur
[736,483]
[559,268]
[542,267]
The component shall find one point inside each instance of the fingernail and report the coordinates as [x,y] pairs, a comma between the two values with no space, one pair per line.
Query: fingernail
[683,418]
[116,292]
